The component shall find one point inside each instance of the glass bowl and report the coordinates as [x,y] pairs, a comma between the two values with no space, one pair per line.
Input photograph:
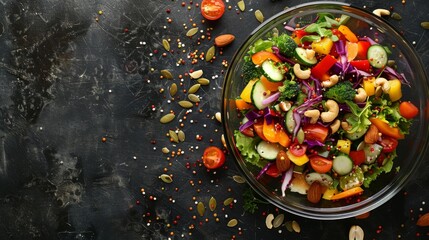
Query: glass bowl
[411,151]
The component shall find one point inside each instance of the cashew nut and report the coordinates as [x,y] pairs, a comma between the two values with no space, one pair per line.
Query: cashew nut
[346,126]
[332,113]
[381,12]
[313,114]
[301,74]
[361,95]
[335,126]
[285,105]
[310,53]
[331,82]
[381,84]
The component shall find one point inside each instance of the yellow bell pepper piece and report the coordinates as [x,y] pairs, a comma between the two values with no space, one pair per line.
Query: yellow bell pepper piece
[369,86]
[344,145]
[327,195]
[323,46]
[395,92]
[299,161]
[247,91]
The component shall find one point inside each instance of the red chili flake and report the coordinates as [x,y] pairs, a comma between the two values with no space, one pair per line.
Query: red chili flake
[183,4]
[155,51]
[168,10]
[126,30]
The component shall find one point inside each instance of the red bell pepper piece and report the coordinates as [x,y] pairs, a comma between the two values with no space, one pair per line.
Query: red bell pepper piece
[361,65]
[358,157]
[323,67]
[362,49]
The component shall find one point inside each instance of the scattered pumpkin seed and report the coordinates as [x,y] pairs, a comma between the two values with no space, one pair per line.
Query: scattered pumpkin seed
[194,98]
[186,104]
[203,81]
[194,88]
[396,16]
[166,178]
[278,220]
[166,45]
[241,5]
[238,179]
[196,74]
[288,226]
[218,116]
[232,223]
[192,32]
[201,208]
[269,221]
[165,150]
[425,25]
[210,53]
[259,16]
[167,118]
[173,135]
[212,204]
[173,89]
[228,201]
[167,74]
[296,227]
[181,135]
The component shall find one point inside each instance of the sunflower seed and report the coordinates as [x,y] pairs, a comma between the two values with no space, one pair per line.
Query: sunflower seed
[278,220]
[296,227]
[201,208]
[173,89]
[425,25]
[210,53]
[196,74]
[181,135]
[166,178]
[241,5]
[396,16]
[173,136]
[238,179]
[167,118]
[194,98]
[165,150]
[166,45]
[192,32]
[212,204]
[167,74]
[232,223]
[203,81]
[218,117]
[186,104]
[259,16]
[228,201]
[194,88]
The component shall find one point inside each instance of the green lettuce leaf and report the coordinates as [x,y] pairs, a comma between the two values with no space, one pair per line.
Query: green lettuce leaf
[373,173]
[247,147]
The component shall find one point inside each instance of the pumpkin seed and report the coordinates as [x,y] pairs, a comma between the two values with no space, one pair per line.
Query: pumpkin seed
[203,81]
[210,53]
[238,179]
[218,117]
[167,118]
[212,204]
[241,5]
[269,221]
[181,135]
[194,88]
[194,98]
[396,16]
[228,201]
[288,226]
[296,227]
[173,136]
[196,74]
[166,45]
[201,208]
[167,74]
[173,89]
[278,220]
[259,16]
[425,25]
[165,150]
[186,104]
[166,178]
[192,32]
[232,223]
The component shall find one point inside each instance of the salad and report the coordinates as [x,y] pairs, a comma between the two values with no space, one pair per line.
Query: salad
[322,109]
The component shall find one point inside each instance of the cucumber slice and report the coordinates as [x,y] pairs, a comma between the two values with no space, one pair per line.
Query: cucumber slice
[290,122]
[301,56]
[372,151]
[322,178]
[377,56]
[258,94]
[268,150]
[342,164]
[272,72]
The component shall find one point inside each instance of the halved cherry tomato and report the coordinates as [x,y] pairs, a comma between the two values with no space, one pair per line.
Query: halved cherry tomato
[212,9]
[389,144]
[260,57]
[258,127]
[213,157]
[320,164]
[408,110]
[298,149]
[315,132]
[363,49]
[386,129]
[361,65]
[358,157]
[273,171]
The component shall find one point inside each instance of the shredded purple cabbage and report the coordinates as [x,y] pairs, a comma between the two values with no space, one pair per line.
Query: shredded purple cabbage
[276,51]
[272,98]
[264,169]
[313,143]
[287,178]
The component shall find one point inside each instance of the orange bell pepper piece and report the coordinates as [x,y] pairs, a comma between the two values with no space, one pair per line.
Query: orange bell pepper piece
[348,193]
[269,85]
[240,104]
[348,34]
[284,139]
[261,56]
[270,132]
[386,129]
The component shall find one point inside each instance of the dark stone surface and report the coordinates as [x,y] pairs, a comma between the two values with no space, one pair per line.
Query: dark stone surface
[68,79]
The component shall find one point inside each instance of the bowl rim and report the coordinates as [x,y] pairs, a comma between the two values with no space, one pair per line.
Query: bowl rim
[376,200]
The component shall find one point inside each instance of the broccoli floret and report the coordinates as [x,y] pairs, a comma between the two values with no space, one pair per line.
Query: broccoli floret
[341,92]
[250,71]
[285,44]
[289,90]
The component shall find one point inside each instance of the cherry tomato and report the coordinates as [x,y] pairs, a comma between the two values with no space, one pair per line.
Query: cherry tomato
[408,110]
[358,157]
[273,171]
[212,9]
[315,132]
[298,149]
[213,157]
[389,144]
[320,164]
